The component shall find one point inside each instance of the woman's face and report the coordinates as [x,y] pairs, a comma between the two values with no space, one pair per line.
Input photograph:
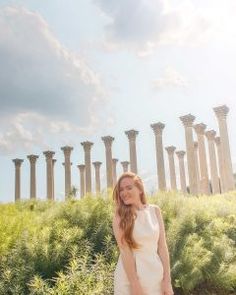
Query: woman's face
[129,192]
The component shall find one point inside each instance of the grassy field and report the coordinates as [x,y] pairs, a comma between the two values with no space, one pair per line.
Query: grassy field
[68,248]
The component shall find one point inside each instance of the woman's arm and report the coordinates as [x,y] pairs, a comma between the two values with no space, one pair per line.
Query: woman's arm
[164,254]
[127,258]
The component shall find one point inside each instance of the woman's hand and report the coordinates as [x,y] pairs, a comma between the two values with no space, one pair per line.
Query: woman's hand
[166,287]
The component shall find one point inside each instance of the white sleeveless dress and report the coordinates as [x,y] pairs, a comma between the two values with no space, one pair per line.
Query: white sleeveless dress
[148,264]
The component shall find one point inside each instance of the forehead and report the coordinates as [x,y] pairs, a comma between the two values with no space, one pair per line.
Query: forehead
[126,181]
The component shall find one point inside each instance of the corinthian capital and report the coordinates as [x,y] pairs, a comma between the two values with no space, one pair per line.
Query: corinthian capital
[158,128]
[187,120]
[221,111]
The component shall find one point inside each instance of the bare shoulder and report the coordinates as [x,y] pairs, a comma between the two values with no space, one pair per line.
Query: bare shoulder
[116,221]
[157,208]
[118,233]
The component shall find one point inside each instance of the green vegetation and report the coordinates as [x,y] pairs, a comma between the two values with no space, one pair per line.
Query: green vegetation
[68,248]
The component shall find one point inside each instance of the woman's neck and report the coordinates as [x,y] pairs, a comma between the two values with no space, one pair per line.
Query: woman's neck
[139,206]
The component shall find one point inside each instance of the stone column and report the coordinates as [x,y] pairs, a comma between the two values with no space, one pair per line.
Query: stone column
[114,174]
[213,164]
[32,160]
[220,164]
[97,166]
[195,145]
[108,144]
[67,152]
[204,178]
[17,163]
[87,160]
[49,162]
[187,121]
[82,179]
[125,166]
[53,178]
[158,129]
[180,155]
[132,134]
[170,150]
[221,114]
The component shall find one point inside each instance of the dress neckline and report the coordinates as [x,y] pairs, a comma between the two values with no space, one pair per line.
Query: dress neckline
[146,206]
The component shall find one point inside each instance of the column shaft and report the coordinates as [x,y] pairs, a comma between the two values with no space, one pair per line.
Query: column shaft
[53,178]
[67,152]
[97,176]
[204,178]
[17,184]
[213,164]
[197,164]
[32,159]
[170,150]
[50,175]
[220,164]
[188,123]
[180,155]
[87,160]
[158,129]
[82,180]
[17,163]
[221,114]
[108,144]
[114,174]
[132,134]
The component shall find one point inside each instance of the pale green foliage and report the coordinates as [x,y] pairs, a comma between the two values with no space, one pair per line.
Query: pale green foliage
[81,277]
[68,248]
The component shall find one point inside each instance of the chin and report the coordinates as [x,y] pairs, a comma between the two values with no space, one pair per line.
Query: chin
[127,203]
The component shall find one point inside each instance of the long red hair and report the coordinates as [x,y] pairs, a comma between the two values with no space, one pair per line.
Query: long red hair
[126,212]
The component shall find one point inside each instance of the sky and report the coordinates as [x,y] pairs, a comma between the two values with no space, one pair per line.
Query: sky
[78,70]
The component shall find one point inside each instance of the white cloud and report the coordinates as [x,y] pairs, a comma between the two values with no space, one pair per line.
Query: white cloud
[170,78]
[26,132]
[144,25]
[16,136]
[38,74]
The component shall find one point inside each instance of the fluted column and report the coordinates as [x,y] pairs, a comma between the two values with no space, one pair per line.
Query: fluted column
[17,163]
[32,160]
[50,175]
[87,160]
[204,178]
[82,179]
[114,174]
[158,130]
[170,150]
[195,145]
[180,155]
[210,135]
[221,114]
[220,163]
[67,152]
[97,166]
[53,178]
[187,121]
[132,134]
[108,144]
[125,166]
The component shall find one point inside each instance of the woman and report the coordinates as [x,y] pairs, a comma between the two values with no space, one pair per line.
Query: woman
[143,265]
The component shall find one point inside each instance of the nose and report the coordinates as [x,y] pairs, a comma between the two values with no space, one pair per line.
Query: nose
[125,194]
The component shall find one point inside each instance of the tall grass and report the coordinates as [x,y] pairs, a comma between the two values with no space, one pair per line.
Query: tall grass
[68,247]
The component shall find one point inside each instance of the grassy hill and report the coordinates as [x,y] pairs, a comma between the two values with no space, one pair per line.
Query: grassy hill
[68,248]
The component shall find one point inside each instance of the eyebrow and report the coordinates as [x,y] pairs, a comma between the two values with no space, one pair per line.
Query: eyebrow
[126,186]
